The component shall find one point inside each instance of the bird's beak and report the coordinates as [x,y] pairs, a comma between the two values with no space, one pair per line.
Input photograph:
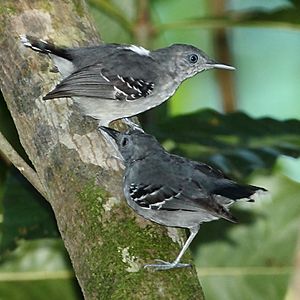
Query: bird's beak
[212,64]
[221,66]
[111,132]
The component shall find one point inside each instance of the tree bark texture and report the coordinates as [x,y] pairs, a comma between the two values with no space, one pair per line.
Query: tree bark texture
[107,243]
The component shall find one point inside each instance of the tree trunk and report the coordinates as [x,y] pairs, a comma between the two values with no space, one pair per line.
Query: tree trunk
[107,243]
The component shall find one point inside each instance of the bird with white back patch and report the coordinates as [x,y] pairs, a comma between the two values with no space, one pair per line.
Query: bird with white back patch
[113,81]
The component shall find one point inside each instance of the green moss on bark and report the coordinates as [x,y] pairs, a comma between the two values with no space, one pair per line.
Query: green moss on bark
[8,9]
[107,244]
[79,7]
[124,246]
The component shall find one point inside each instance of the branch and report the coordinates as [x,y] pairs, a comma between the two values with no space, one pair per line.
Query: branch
[114,12]
[12,155]
[225,79]
[224,22]
[108,244]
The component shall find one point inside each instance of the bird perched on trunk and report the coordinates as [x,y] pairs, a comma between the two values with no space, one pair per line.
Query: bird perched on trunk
[172,190]
[113,81]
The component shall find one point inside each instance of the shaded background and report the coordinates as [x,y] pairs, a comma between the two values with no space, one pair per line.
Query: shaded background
[238,121]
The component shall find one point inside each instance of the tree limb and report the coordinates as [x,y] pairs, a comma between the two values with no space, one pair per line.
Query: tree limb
[12,155]
[107,243]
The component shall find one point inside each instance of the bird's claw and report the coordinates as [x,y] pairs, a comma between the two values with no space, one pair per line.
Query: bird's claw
[165,265]
[132,125]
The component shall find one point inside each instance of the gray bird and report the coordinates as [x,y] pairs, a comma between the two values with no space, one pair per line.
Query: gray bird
[113,81]
[172,190]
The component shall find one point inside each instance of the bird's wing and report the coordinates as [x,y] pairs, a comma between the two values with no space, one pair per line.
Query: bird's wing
[162,197]
[208,170]
[119,77]
[198,166]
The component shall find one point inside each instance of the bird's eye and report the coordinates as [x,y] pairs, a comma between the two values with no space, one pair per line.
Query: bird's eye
[124,142]
[193,58]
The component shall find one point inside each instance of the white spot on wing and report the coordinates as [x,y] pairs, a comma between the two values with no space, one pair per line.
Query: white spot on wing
[139,50]
[119,91]
[129,85]
[137,89]
[158,205]
[121,78]
[139,199]
[104,77]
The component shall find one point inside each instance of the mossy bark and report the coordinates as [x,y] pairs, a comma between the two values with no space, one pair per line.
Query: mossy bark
[106,241]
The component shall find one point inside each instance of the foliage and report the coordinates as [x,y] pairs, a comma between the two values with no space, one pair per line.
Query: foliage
[235,143]
[247,257]
[255,257]
[36,270]
[26,215]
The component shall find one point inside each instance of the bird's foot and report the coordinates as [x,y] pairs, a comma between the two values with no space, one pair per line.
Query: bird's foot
[165,265]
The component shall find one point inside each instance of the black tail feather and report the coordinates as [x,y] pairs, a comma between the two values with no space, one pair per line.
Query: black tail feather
[236,191]
[44,47]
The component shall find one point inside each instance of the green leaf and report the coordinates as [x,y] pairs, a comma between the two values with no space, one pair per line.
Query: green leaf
[235,143]
[287,17]
[113,19]
[253,259]
[3,169]
[284,17]
[37,270]
[26,215]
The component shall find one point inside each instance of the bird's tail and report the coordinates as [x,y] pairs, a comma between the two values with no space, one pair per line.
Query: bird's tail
[44,47]
[231,192]
[236,191]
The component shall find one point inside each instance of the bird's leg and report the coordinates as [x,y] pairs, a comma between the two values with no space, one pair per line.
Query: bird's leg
[132,125]
[164,265]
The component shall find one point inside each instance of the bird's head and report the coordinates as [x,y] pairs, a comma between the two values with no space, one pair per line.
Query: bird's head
[186,60]
[133,144]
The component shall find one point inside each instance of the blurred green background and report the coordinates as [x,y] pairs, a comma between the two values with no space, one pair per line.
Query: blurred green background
[243,122]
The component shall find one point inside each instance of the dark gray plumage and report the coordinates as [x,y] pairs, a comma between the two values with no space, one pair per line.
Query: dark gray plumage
[172,190]
[112,81]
